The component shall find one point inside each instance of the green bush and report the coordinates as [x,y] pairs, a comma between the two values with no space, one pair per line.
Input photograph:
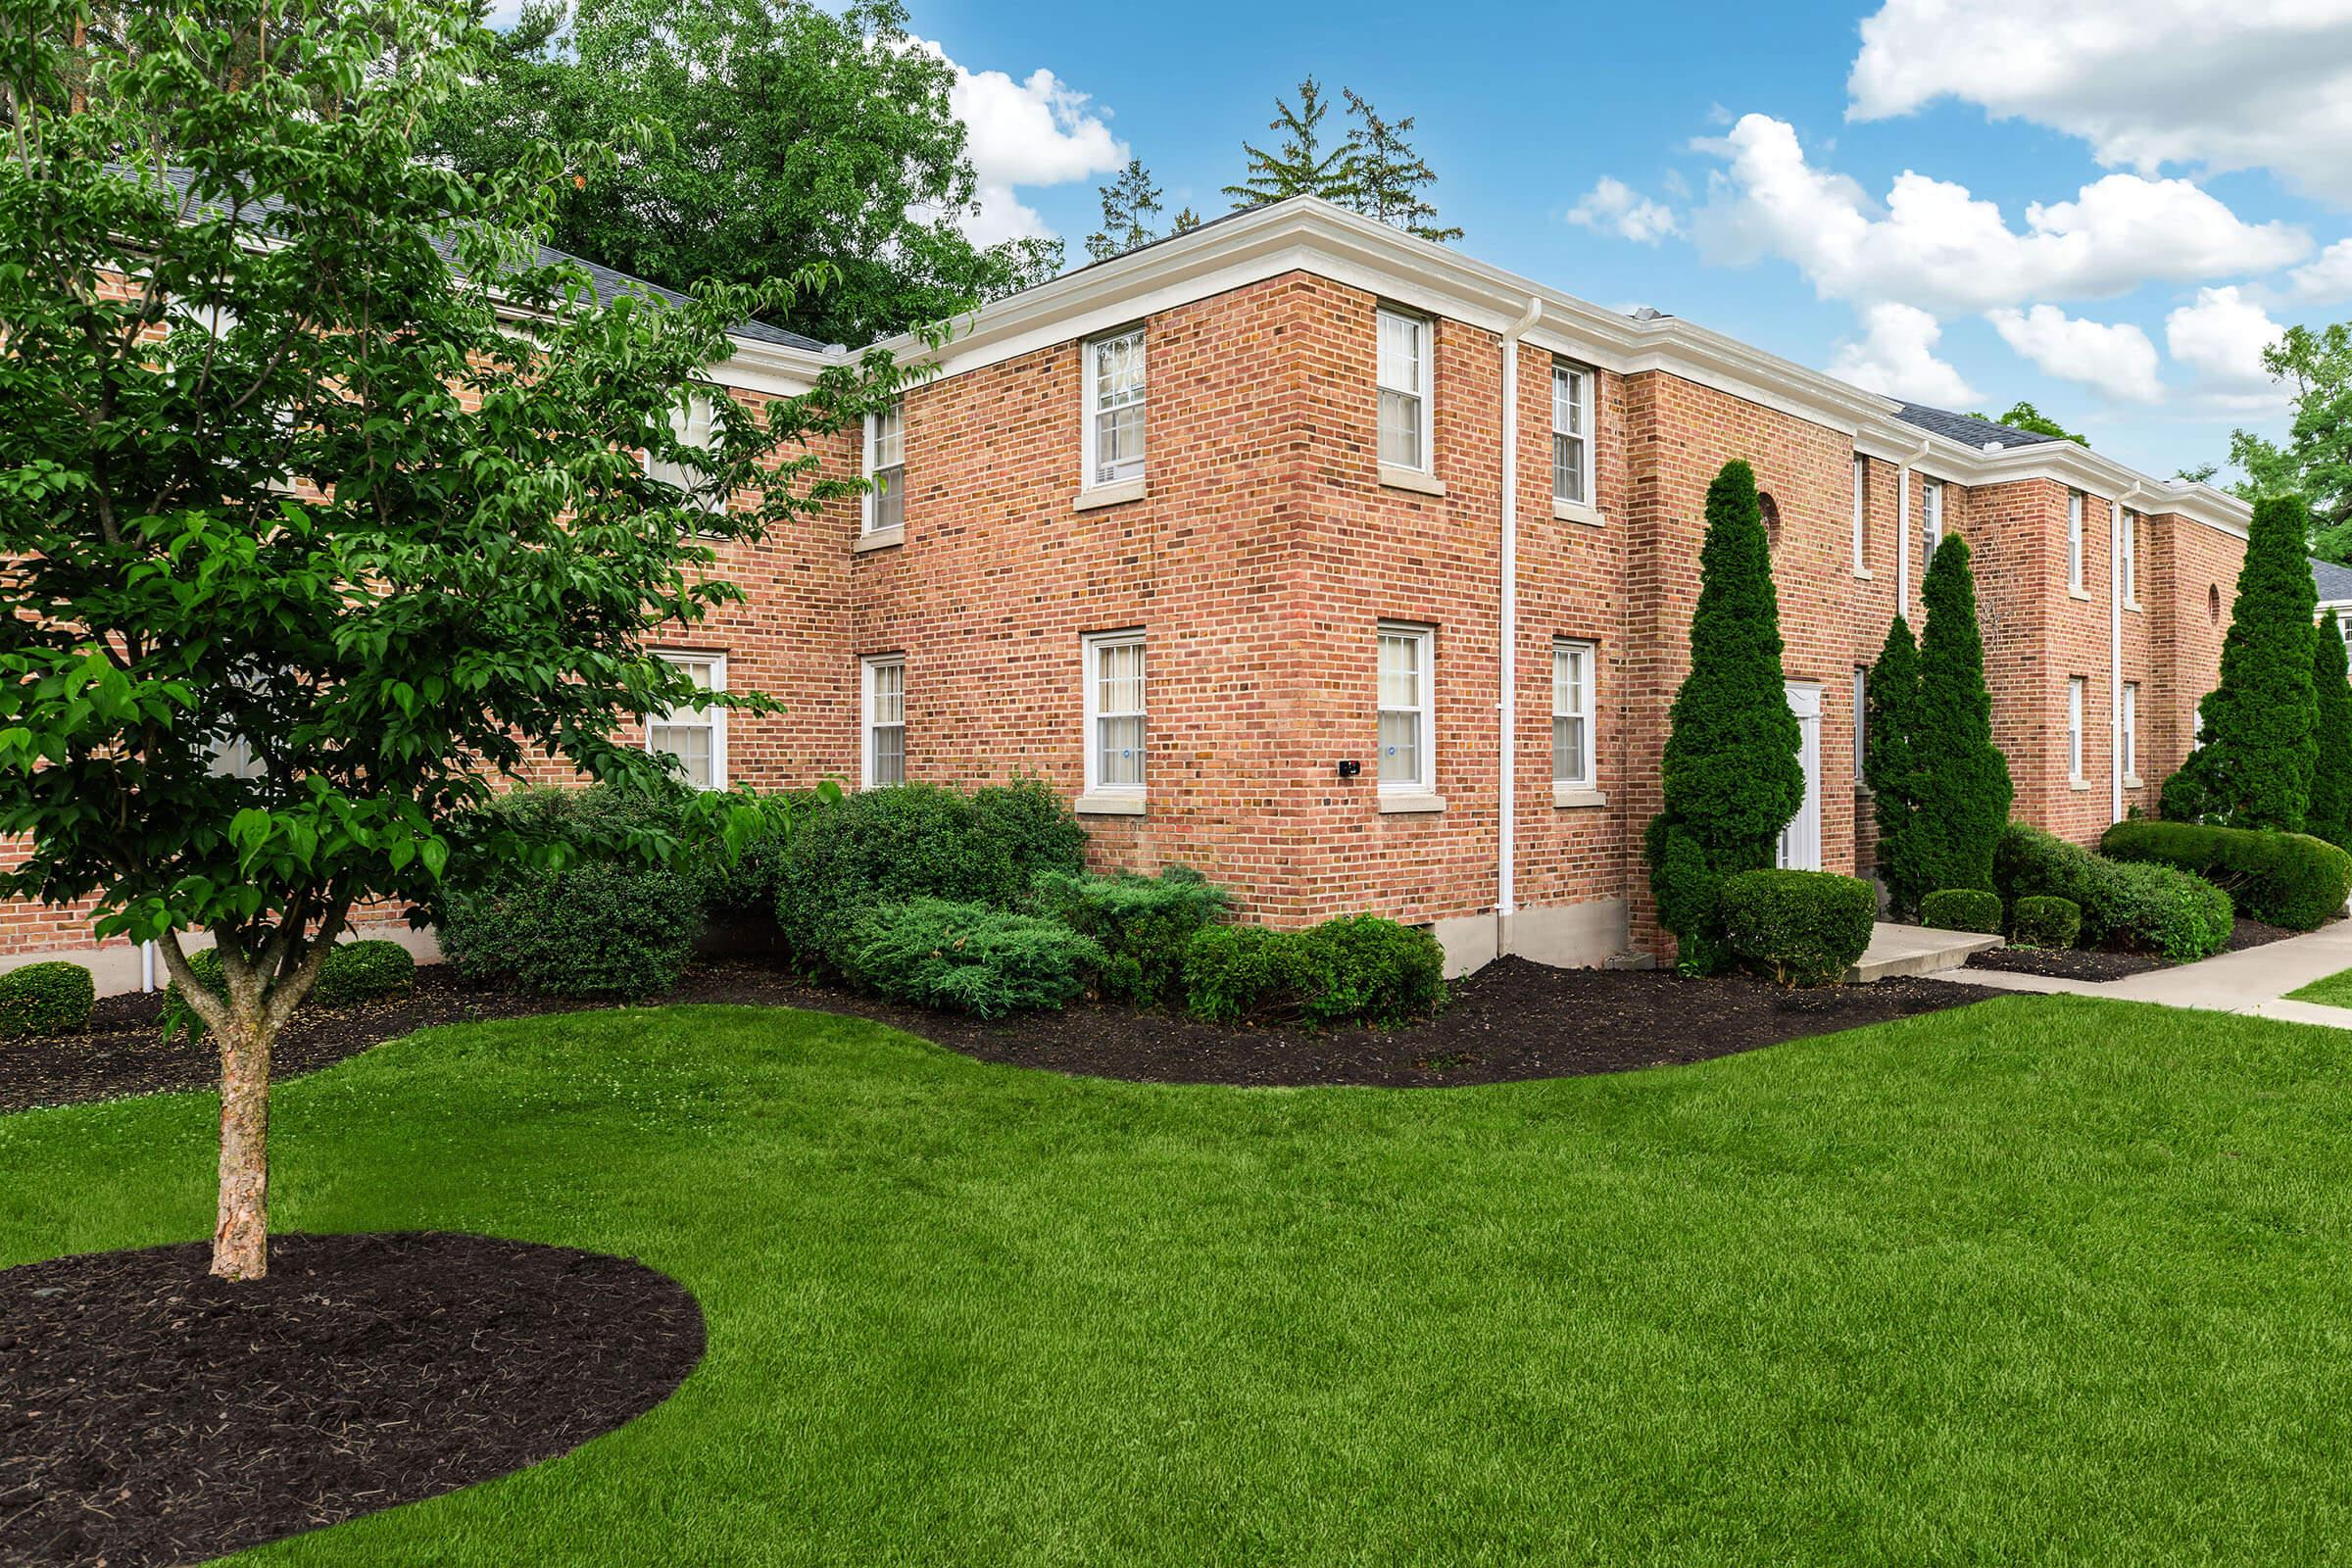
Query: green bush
[1355,969]
[966,957]
[1036,829]
[353,972]
[178,1018]
[2033,861]
[2040,920]
[1961,787]
[50,997]
[889,846]
[1962,909]
[2330,814]
[593,929]
[1803,928]
[1143,924]
[2288,879]
[1887,764]
[2158,908]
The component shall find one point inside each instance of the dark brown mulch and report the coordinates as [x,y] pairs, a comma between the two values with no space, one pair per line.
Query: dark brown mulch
[2103,964]
[152,1414]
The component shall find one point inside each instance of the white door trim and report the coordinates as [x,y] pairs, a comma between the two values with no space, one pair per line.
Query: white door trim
[1800,840]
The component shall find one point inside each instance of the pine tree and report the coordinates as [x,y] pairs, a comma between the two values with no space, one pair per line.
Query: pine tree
[2330,813]
[1731,772]
[1887,766]
[1390,174]
[1128,203]
[1960,790]
[2260,744]
[1300,167]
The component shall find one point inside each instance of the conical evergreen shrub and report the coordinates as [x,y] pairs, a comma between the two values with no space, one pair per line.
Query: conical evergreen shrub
[2330,813]
[1887,766]
[1731,772]
[2260,743]
[1961,789]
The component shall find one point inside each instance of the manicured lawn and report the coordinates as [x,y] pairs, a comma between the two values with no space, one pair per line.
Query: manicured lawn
[2043,1279]
[2333,990]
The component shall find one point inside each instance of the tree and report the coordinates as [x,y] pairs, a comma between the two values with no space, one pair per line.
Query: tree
[1184,222]
[1299,165]
[2024,415]
[1128,203]
[1961,789]
[1889,766]
[2317,459]
[1390,176]
[1732,778]
[2330,814]
[758,137]
[2260,743]
[235,704]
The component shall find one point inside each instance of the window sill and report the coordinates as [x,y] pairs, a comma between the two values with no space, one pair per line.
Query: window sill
[1413,479]
[2134,606]
[1401,800]
[1109,805]
[1577,511]
[2082,594]
[1108,495]
[1865,574]
[2135,782]
[1567,796]
[2077,784]
[879,539]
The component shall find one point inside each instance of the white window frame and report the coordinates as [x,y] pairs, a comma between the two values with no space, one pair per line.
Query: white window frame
[1578,407]
[874,467]
[870,725]
[716,717]
[1095,644]
[1090,467]
[2131,731]
[700,409]
[2126,558]
[2078,694]
[1585,657]
[1861,516]
[1425,776]
[1425,346]
[1931,519]
[1861,721]
[2075,503]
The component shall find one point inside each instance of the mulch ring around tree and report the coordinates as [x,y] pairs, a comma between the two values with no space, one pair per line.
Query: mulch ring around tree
[2103,964]
[152,1414]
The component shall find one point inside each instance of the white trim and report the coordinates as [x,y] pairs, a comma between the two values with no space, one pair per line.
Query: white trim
[1418,480]
[1424,393]
[1861,514]
[2115,661]
[1423,780]
[1580,408]
[867,468]
[1861,737]
[716,718]
[1115,494]
[1090,415]
[1585,655]
[1093,646]
[2078,697]
[2077,569]
[870,669]
[2128,732]
[1931,524]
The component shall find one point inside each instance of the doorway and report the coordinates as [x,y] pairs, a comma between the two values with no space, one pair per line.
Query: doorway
[1800,840]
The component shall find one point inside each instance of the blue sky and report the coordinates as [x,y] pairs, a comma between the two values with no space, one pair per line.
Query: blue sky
[2184,159]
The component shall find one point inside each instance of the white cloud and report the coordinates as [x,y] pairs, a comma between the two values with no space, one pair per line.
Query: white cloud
[2220,337]
[1034,131]
[2326,280]
[1937,246]
[1613,207]
[1896,357]
[2119,359]
[2261,84]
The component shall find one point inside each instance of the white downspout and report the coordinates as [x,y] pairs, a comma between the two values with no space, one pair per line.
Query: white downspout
[1507,849]
[1902,534]
[2115,646]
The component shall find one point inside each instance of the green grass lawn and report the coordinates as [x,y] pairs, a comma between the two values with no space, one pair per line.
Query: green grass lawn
[2333,990]
[2045,1280]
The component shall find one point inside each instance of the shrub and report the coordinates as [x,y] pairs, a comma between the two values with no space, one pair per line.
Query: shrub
[50,997]
[178,1018]
[2040,920]
[966,957]
[2157,908]
[888,845]
[1961,788]
[1887,766]
[593,929]
[353,972]
[2033,861]
[2287,879]
[1962,909]
[2330,814]
[1143,924]
[1035,828]
[1356,969]
[1803,928]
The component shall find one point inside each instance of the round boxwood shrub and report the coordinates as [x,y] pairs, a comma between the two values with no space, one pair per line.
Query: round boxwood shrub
[966,957]
[1962,909]
[353,972]
[1143,924]
[2041,920]
[593,929]
[1801,928]
[2158,908]
[2288,879]
[1356,969]
[50,997]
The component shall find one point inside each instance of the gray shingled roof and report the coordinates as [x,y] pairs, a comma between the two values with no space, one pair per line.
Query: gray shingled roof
[2335,582]
[1967,428]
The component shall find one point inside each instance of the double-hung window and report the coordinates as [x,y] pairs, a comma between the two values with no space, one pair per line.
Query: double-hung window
[886,467]
[885,720]
[1114,409]
[1861,721]
[1406,670]
[694,426]
[1572,434]
[2074,729]
[695,735]
[2127,558]
[1114,713]
[1572,715]
[2074,540]
[2131,724]
[1403,375]
[1861,513]
[1932,517]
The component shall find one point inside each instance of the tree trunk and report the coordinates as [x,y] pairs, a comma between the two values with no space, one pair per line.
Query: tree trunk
[241,1238]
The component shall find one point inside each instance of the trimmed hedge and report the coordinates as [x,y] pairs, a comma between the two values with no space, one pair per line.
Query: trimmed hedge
[2152,907]
[1803,928]
[51,998]
[1144,926]
[364,971]
[593,929]
[966,957]
[1962,909]
[1357,969]
[2041,920]
[2288,879]
[2034,862]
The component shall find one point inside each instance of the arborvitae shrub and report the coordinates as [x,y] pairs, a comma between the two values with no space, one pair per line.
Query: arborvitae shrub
[1960,779]
[1887,764]
[2041,921]
[1144,926]
[2288,879]
[1962,909]
[49,997]
[1800,928]
[2330,813]
[966,957]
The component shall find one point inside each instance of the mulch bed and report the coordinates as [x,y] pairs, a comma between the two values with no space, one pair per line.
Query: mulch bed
[152,1414]
[2102,964]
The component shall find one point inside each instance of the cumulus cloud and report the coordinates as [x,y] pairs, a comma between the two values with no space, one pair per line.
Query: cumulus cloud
[2326,280]
[2220,337]
[2146,82]
[1935,245]
[1612,207]
[2118,361]
[1895,357]
[1037,130]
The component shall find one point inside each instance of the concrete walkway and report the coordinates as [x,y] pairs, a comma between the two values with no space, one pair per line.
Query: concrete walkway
[1899,949]
[2254,981]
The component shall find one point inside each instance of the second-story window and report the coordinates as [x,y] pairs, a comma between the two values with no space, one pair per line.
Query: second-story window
[1932,517]
[1403,374]
[2074,540]
[2127,558]
[1572,434]
[1114,407]
[886,467]
[1861,513]
[695,426]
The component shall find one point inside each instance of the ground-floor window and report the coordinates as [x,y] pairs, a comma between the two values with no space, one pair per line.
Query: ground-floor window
[695,736]
[2131,719]
[1114,712]
[1405,690]
[885,706]
[1572,714]
[2074,729]
[1861,718]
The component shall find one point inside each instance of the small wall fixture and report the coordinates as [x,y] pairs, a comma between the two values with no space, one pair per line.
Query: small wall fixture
[1350,767]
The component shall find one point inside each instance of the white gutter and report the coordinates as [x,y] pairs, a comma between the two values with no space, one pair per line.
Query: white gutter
[1508,847]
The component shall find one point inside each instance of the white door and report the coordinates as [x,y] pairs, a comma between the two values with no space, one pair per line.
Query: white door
[1800,840]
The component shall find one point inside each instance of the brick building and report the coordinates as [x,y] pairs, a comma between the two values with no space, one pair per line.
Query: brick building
[1358,575]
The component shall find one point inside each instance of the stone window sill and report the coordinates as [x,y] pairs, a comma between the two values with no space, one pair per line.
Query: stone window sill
[1577,511]
[1865,574]
[1565,796]
[2077,784]
[1101,804]
[1400,801]
[2133,782]
[1413,479]
[2134,606]
[880,539]
[1108,495]
[2082,594]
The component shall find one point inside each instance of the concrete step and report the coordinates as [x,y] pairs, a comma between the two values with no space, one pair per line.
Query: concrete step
[1908,949]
